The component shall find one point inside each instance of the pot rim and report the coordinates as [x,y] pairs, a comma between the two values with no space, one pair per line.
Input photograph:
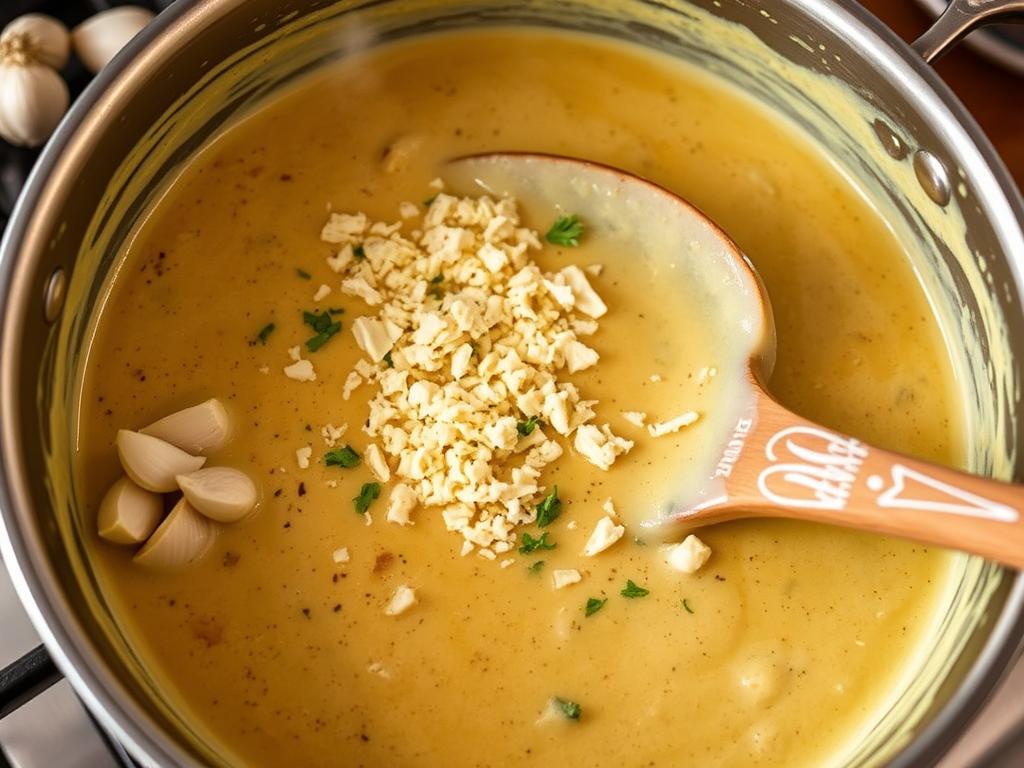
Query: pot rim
[80,661]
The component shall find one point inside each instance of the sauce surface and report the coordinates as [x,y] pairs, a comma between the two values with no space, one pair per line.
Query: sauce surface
[797,632]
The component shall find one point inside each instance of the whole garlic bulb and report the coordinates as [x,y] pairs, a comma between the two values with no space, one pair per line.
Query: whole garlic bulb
[33,97]
[36,38]
[98,39]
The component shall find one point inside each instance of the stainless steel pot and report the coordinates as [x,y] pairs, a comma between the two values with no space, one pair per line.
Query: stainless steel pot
[893,127]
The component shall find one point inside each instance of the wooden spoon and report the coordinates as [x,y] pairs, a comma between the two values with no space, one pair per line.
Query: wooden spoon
[769,462]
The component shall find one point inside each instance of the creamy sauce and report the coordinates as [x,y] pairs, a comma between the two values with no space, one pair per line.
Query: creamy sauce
[797,633]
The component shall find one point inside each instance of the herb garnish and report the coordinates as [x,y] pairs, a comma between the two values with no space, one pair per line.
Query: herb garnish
[566,230]
[531,544]
[535,567]
[265,332]
[367,495]
[336,311]
[525,428]
[342,457]
[429,200]
[570,709]
[549,509]
[435,287]
[632,590]
[324,326]
[303,274]
[686,605]
[594,605]
[359,252]
[389,361]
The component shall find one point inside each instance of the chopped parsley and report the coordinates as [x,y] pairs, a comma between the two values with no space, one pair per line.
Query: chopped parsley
[359,252]
[303,274]
[525,428]
[265,332]
[536,567]
[566,230]
[324,325]
[367,495]
[549,509]
[632,590]
[686,605]
[429,200]
[570,709]
[531,544]
[342,457]
[435,287]
[389,361]
[336,311]
[594,605]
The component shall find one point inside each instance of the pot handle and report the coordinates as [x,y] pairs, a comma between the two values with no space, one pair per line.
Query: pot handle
[960,18]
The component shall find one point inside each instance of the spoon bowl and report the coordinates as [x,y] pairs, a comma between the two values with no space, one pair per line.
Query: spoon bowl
[765,461]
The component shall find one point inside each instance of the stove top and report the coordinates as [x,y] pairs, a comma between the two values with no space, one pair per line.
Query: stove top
[54,730]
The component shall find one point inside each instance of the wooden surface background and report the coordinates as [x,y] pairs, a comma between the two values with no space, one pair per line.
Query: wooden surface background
[996,99]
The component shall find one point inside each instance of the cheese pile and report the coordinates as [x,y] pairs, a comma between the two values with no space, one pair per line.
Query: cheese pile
[468,344]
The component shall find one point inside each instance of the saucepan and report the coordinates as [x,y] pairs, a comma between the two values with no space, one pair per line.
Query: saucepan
[870,101]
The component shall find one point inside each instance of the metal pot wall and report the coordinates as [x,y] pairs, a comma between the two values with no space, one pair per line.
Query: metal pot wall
[894,128]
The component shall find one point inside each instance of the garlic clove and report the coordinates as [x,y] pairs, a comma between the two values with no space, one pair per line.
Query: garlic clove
[221,493]
[128,514]
[33,99]
[152,463]
[98,39]
[183,538]
[36,38]
[200,429]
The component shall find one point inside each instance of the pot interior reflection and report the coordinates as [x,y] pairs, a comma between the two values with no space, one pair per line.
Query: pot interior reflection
[815,78]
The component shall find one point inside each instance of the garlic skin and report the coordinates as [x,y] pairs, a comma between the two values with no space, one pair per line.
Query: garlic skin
[200,430]
[129,514]
[153,464]
[33,99]
[183,538]
[98,39]
[223,494]
[41,39]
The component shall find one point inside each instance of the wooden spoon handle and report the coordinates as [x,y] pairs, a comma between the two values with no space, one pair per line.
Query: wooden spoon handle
[778,459]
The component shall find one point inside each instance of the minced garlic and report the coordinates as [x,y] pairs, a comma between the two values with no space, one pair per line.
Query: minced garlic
[468,342]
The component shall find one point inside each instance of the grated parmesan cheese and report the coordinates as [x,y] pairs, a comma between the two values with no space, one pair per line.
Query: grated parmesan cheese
[465,338]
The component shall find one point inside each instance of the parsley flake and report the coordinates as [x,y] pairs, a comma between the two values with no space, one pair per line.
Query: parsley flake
[265,332]
[525,428]
[389,361]
[632,590]
[324,325]
[359,252]
[536,567]
[570,709]
[566,231]
[342,457]
[303,274]
[594,605]
[429,200]
[367,495]
[686,606]
[531,544]
[549,509]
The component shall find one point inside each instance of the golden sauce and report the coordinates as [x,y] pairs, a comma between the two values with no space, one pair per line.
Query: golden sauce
[797,632]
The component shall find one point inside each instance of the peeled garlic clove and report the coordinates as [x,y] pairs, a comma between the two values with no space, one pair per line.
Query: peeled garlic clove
[128,514]
[40,39]
[183,538]
[200,429]
[98,39]
[33,99]
[221,493]
[152,463]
